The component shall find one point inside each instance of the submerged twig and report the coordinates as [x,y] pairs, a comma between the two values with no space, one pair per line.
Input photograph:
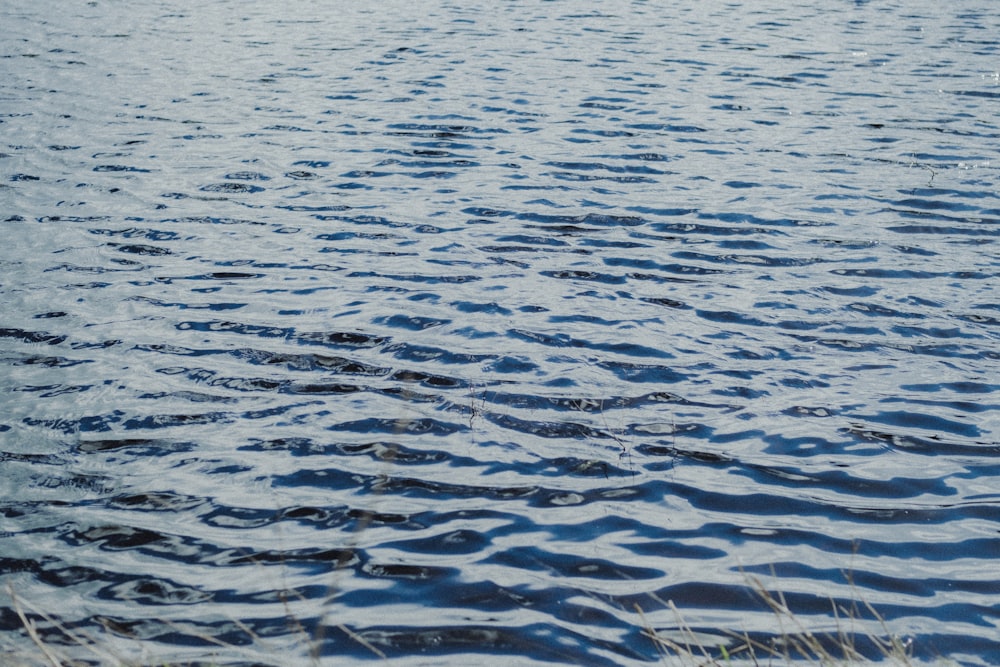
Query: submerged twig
[29,626]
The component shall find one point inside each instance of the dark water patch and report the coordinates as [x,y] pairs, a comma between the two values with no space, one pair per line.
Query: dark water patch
[139,249]
[912,274]
[52,390]
[119,168]
[235,327]
[647,264]
[764,260]
[423,353]
[143,446]
[502,249]
[633,372]
[411,323]
[545,429]
[333,339]
[957,387]
[980,319]
[71,219]
[973,225]
[141,233]
[568,176]
[247,176]
[425,379]
[49,361]
[415,278]
[157,502]
[923,422]
[442,131]
[128,265]
[187,306]
[878,310]
[930,445]
[301,175]
[957,406]
[864,346]
[728,317]
[401,425]
[562,340]
[616,169]
[210,220]
[927,332]
[589,219]
[585,275]
[668,303]
[533,558]
[32,336]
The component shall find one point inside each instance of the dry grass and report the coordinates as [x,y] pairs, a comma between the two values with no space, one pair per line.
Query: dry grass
[48,654]
[793,642]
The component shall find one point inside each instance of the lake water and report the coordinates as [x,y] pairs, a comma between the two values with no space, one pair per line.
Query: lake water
[481,333]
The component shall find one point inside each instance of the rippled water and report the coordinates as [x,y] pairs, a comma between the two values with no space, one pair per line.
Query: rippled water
[452,333]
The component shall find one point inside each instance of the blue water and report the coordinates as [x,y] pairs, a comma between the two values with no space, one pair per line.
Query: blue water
[484,333]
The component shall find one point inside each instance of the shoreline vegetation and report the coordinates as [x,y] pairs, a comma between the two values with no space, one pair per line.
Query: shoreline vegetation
[794,643]
[52,644]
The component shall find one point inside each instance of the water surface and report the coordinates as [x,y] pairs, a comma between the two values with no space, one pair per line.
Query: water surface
[451,333]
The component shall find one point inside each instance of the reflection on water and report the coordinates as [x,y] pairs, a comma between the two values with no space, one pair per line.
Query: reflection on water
[437,335]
